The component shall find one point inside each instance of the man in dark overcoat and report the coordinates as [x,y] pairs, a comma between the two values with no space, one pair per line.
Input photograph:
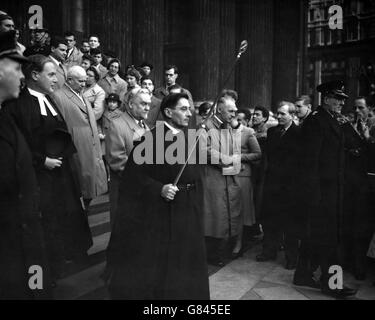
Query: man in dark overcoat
[157,249]
[357,220]
[65,222]
[278,211]
[323,183]
[21,237]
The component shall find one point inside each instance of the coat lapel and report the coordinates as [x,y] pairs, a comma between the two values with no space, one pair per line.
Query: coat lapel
[138,131]
[332,123]
[74,98]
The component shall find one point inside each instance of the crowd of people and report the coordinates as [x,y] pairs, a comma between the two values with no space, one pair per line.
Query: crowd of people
[301,179]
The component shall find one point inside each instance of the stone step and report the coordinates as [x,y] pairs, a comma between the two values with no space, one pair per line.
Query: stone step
[81,283]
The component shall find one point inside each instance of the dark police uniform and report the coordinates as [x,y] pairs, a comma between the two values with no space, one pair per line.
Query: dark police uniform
[323,182]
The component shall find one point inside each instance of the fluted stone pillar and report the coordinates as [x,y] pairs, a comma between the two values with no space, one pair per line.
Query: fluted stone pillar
[148,35]
[254,77]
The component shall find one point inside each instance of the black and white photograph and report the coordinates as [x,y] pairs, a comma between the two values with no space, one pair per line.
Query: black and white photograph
[211,151]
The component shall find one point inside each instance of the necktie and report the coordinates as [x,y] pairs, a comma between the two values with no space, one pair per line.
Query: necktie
[141,124]
[360,128]
[282,132]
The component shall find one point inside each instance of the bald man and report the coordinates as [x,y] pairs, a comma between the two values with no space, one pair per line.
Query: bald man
[81,122]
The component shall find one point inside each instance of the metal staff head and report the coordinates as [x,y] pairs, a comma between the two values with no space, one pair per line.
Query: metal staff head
[243,48]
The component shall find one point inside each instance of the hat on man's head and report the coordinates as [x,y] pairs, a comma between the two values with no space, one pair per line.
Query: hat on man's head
[38,28]
[8,47]
[335,88]
[113,97]
[146,64]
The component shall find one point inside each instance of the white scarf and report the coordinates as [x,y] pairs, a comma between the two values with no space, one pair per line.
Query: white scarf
[43,103]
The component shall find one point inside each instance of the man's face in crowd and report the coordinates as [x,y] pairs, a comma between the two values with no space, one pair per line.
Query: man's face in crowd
[112,105]
[98,58]
[334,104]
[258,118]
[131,80]
[114,68]
[6,25]
[227,110]
[361,109]
[90,78]
[10,77]
[147,84]
[302,109]
[60,52]
[241,117]
[46,79]
[77,82]
[85,47]
[170,77]
[180,115]
[94,42]
[146,70]
[70,41]
[284,117]
[85,64]
[140,105]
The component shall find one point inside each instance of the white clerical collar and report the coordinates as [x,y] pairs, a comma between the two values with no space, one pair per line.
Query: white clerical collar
[43,102]
[174,130]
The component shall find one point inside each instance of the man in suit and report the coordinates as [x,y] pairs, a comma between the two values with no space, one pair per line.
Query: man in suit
[322,183]
[98,58]
[121,129]
[278,211]
[65,225]
[157,248]
[357,219]
[154,114]
[21,236]
[364,121]
[171,75]
[59,48]
[303,108]
[73,55]
[81,123]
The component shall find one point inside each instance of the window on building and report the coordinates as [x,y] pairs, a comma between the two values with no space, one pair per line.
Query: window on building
[352,30]
[329,37]
[319,33]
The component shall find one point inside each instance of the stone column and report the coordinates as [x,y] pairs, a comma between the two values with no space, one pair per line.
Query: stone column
[148,35]
[286,50]
[254,76]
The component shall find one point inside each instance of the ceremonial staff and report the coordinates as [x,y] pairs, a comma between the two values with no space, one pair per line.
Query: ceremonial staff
[243,48]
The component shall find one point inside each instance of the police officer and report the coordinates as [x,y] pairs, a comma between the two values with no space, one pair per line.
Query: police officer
[323,187]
